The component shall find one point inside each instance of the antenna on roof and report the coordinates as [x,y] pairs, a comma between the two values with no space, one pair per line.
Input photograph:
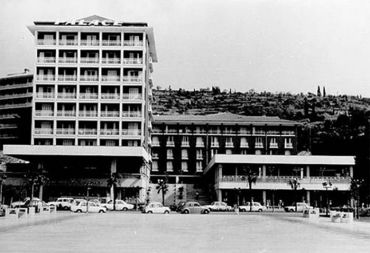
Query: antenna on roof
[26,70]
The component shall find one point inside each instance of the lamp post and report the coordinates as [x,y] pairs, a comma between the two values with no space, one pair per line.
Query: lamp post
[237,190]
[295,184]
[251,177]
[327,185]
[88,188]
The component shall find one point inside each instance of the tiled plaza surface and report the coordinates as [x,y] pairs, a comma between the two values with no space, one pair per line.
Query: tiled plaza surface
[136,232]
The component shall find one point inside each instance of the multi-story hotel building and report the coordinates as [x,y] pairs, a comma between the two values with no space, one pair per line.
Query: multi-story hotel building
[91,105]
[15,109]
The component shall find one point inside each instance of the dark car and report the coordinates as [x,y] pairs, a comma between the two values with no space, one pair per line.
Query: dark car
[194,207]
[177,207]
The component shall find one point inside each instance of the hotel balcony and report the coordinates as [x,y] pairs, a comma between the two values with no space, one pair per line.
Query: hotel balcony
[259,132]
[67,78]
[66,113]
[109,96]
[88,114]
[88,95]
[68,42]
[288,133]
[215,145]
[111,43]
[244,145]
[258,145]
[45,78]
[133,61]
[46,60]
[155,156]
[133,43]
[89,42]
[44,113]
[288,145]
[273,133]
[67,60]
[109,132]
[215,131]
[128,96]
[199,145]
[199,157]
[45,95]
[131,114]
[132,132]
[65,131]
[274,145]
[67,95]
[170,157]
[155,144]
[244,132]
[111,61]
[87,132]
[89,78]
[132,79]
[229,145]
[110,78]
[170,143]
[184,157]
[89,60]
[185,144]
[43,131]
[109,114]
[47,42]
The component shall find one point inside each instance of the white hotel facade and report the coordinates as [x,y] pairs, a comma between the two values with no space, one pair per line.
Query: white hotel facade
[91,113]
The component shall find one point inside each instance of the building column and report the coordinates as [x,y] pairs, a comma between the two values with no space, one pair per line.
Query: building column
[307,171]
[219,194]
[113,169]
[301,173]
[219,173]
[351,171]
[264,197]
[236,170]
[263,170]
[308,197]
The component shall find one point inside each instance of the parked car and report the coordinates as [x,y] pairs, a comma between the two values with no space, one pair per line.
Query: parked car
[219,206]
[83,206]
[120,205]
[194,207]
[62,203]
[256,207]
[156,207]
[300,207]
[23,203]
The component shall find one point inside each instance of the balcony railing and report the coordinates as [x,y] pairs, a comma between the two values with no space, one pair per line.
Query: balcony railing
[109,132]
[110,78]
[45,77]
[155,144]
[131,131]
[273,133]
[287,133]
[87,132]
[128,96]
[89,60]
[46,42]
[46,59]
[133,61]
[67,78]
[285,179]
[43,131]
[89,78]
[45,95]
[288,145]
[68,42]
[67,95]
[169,156]
[66,113]
[170,144]
[215,145]
[184,157]
[199,145]
[274,145]
[89,42]
[258,145]
[41,113]
[229,145]
[88,114]
[131,114]
[109,96]
[67,60]
[111,42]
[111,60]
[109,114]
[185,144]
[199,157]
[68,131]
[133,43]
[259,132]
[88,95]
[132,79]
[244,145]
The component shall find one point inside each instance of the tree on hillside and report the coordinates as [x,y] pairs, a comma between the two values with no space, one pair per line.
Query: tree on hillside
[318,91]
[324,92]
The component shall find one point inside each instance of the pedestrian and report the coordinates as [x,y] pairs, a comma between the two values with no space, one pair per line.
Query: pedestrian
[236,209]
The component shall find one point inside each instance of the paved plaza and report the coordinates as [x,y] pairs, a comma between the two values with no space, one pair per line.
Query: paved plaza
[135,232]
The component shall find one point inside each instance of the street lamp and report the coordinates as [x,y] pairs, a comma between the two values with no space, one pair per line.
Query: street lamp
[88,188]
[327,185]
[237,190]
[295,184]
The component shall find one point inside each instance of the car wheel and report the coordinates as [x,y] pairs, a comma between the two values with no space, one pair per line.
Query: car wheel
[79,211]
[259,210]
[243,210]
[101,211]
[186,211]
[206,211]
[124,209]
[150,212]
[65,208]
[166,212]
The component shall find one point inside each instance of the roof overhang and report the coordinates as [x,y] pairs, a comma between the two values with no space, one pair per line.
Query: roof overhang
[280,160]
[102,151]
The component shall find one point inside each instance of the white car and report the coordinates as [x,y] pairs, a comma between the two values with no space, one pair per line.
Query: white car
[219,206]
[256,207]
[84,206]
[300,206]
[62,203]
[156,207]
[120,205]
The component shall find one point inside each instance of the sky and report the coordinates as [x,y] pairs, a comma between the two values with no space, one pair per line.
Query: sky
[265,45]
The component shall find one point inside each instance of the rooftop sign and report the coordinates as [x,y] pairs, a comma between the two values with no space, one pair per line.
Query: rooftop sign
[96,22]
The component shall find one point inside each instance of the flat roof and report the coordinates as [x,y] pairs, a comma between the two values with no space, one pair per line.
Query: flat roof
[16,75]
[38,150]
[280,160]
[222,118]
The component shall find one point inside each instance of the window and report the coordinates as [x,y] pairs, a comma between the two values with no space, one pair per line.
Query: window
[155,166]
[259,142]
[185,141]
[184,166]
[169,166]
[184,154]
[273,143]
[199,142]
[214,141]
[199,154]
[155,141]
[199,166]
[244,142]
[169,154]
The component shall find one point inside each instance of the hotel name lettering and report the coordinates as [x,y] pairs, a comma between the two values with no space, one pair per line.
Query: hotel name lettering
[90,23]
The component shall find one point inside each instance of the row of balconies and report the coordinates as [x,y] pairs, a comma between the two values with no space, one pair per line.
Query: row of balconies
[89,78]
[93,131]
[219,132]
[285,179]
[90,60]
[16,86]
[257,145]
[116,43]
[125,96]
[125,114]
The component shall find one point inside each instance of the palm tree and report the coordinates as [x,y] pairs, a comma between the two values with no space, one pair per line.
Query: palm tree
[294,184]
[251,177]
[162,187]
[355,186]
[112,182]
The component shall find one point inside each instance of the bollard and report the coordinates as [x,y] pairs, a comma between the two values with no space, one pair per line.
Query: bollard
[11,213]
[31,211]
[53,209]
[45,210]
[22,212]
[311,213]
[335,216]
[346,217]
